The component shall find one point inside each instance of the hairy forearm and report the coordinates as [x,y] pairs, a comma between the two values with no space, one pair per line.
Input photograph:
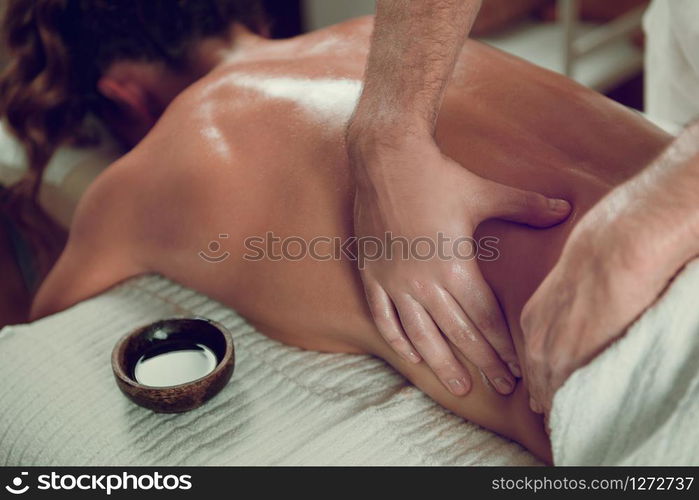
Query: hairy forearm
[414,48]
[669,189]
[655,215]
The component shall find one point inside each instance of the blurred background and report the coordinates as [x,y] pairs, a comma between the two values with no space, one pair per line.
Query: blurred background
[597,42]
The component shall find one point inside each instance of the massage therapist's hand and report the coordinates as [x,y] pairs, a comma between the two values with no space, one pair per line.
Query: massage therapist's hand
[426,305]
[405,187]
[597,288]
[616,262]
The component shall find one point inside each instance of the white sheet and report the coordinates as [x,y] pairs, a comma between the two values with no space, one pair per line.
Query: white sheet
[59,404]
[638,402]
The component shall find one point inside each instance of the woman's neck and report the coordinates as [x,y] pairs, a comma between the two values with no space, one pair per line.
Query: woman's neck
[238,44]
[145,89]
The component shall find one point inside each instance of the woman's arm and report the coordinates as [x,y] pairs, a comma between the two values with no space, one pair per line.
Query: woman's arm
[100,250]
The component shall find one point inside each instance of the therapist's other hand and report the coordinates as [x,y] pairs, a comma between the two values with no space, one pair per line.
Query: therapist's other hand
[425,307]
[616,262]
[593,293]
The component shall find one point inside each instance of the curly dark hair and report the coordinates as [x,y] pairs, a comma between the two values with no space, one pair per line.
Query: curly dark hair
[59,48]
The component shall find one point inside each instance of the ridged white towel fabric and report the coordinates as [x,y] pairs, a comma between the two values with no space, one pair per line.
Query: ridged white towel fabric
[638,402]
[59,404]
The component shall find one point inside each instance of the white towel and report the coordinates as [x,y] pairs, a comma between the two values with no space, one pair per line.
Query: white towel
[59,404]
[638,402]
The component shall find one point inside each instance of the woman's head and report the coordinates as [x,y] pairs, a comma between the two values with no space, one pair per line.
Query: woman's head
[62,53]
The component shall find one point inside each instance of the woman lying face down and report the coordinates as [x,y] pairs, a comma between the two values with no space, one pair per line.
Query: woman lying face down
[252,150]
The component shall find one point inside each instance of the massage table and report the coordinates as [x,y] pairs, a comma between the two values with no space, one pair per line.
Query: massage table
[61,406]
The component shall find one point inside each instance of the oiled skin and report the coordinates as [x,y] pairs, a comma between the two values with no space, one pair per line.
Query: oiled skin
[225,159]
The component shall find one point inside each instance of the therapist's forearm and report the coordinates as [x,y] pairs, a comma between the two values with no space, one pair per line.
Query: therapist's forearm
[672,197]
[414,49]
[656,213]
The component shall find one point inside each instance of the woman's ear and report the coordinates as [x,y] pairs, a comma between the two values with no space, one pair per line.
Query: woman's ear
[130,96]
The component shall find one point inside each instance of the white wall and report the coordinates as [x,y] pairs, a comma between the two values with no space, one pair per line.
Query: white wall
[321,13]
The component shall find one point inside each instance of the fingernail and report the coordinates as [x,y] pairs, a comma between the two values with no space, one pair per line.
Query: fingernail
[503,385]
[558,205]
[515,369]
[534,405]
[413,357]
[457,386]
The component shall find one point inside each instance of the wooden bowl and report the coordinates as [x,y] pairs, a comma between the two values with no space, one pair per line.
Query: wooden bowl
[166,335]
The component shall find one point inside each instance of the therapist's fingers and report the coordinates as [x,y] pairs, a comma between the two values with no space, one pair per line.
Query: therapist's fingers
[542,387]
[525,207]
[535,406]
[434,349]
[484,310]
[537,376]
[537,366]
[387,322]
[467,338]
[534,376]
[477,299]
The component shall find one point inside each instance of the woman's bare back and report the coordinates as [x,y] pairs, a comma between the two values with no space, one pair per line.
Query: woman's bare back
[255,149]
